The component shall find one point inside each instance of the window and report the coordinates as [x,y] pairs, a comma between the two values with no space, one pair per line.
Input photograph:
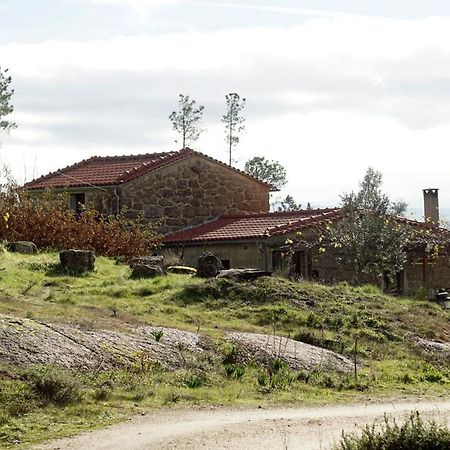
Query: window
[77,202]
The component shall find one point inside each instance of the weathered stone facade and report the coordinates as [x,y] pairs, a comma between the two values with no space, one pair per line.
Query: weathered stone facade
[186,192]
[191,192]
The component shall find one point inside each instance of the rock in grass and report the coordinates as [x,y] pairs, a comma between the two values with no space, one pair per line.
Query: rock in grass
[22,247]
[146,271]
[243,274]
[183,270]
[209,265]
[154,261]
[77,261]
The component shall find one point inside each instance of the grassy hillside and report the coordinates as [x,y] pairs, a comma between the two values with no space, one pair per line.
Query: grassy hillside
[391,336]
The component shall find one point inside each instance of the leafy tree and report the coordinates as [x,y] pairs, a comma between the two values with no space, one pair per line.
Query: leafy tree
[234,122]
[287,204]
[271,172]
[372,240]
[186,120]
[5,97]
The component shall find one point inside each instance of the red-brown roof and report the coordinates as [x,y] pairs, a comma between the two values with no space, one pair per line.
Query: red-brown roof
[253,226]
[115,170]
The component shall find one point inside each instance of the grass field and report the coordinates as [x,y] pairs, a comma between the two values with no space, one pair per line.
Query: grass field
[38,403]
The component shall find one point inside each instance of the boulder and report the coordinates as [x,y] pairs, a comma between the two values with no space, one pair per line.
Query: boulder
[154,261]
[183,270]
[77,260]
[146,271]
[22,247]
[243,274]
[209,265]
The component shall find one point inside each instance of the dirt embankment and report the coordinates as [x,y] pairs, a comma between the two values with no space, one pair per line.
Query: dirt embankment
[25,342]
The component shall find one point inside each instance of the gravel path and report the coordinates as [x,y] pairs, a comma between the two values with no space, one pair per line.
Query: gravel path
[309,428]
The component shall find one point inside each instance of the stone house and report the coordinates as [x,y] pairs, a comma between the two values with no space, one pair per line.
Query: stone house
[259,241]
[183,188]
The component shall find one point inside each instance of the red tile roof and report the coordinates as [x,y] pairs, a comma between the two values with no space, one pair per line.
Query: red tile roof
[253,226]
[115,170]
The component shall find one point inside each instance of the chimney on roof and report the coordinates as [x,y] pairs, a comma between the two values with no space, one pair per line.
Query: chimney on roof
[431,205]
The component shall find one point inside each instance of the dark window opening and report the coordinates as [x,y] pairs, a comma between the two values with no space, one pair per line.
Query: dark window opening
[226,264]
[77,202]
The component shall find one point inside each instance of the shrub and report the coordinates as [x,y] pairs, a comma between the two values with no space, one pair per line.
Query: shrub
[54,385]
[50,224]
[235,371]
[414,434]
[194,380]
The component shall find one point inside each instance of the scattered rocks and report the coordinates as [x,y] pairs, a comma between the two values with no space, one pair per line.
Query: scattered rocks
[209,265]
[298,355]
[77,261]
[22,247]
[183,270]
[146,271]
[243,274]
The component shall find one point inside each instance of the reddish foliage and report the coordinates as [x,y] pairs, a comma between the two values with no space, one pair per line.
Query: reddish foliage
[50,224]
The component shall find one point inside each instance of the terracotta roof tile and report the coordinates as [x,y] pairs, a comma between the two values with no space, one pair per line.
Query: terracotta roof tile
[252,226]
[115,170]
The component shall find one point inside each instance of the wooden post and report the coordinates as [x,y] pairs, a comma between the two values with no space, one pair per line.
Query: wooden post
[355,361]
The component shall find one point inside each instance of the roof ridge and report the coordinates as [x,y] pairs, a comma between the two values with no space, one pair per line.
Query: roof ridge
[276,213]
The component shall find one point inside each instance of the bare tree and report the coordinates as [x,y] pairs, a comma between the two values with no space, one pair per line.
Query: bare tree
[5,96]
[186,120]
[234,122]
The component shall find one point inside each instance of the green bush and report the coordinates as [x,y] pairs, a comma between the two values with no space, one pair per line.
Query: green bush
[414,434]
[53,385]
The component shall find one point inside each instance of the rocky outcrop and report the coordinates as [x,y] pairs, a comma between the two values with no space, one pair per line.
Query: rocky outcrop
[25,342]
[264,348]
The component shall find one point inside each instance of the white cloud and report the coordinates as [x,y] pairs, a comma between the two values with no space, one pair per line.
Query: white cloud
[328,98]
[141,7]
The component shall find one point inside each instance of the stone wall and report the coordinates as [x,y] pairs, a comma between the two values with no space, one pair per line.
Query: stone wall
[437,273]
[101,200]
[239,254]
[191,192]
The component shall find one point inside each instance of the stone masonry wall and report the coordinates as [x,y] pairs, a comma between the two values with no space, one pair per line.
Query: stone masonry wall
[191,192]
[102,200]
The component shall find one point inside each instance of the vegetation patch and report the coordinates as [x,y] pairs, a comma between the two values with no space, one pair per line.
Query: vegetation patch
[414,434]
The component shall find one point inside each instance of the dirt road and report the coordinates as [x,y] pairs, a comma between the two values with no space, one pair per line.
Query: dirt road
[309,428]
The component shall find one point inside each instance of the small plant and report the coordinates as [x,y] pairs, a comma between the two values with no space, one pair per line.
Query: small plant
[194,380]
[414,434]
[157,334]
[235,371]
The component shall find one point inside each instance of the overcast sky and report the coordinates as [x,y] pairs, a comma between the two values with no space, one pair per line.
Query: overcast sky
[332,87]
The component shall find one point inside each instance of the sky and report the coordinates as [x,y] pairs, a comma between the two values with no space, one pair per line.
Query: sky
[332,87]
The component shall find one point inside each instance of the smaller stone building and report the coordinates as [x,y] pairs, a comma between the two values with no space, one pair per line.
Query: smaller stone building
[181,188]
[260,241]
